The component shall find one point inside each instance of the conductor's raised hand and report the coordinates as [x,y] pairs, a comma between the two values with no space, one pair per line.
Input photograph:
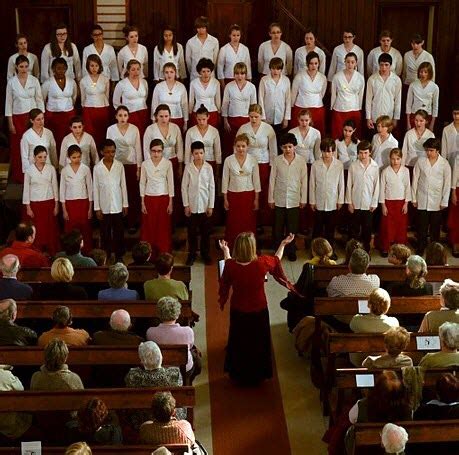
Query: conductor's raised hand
[288,239]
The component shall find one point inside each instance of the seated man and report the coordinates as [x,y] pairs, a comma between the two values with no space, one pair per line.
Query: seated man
[10,287]
[72,243]
[62,318]
[12,334]
[141,254]
[23,248]
[118,334]
[118,276]
[164,285]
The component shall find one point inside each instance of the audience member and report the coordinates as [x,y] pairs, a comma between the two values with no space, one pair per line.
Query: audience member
[394,439]
[99,256]
[141,254]
[164,285]
[351,245]
[23,247]
[72,242]
[436,254]
[62,319]
[118,276]
[322,252]
[78,448]
[448,355]
[62,289]
[10,287]
[398,254]
[118,334]
[415,283]
[12,334]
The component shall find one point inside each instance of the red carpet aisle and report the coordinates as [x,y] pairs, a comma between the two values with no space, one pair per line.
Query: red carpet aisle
[244,420]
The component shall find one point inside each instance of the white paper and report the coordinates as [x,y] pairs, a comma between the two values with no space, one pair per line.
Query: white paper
[31,448]
[428,343]
[363,307]
[365,380]
[221,266]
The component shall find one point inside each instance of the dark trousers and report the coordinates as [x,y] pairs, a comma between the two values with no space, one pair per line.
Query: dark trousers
[286,221]
[112,234]
[199,223]
[324,222]
[361,227]
[424,220]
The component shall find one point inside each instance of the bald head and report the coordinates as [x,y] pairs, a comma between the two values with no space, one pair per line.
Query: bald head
[8,310]
[9,265]
[120,321]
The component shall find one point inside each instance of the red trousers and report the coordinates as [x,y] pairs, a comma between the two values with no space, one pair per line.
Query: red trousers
[59,124]
[96,121]
[317,115]
[338,119]
[394,226]
[77,210]
[241,217]
[21,124]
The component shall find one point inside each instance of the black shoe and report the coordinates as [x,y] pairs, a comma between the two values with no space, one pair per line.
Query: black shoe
[384,254]
[291,257]
[207,260]
[190,259]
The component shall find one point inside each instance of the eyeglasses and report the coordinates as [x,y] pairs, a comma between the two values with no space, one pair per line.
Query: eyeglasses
[61,34]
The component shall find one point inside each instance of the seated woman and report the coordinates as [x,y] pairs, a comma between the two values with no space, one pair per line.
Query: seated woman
[322,252]
[415,283]
[118,276]
[152,374]
[351,245]
[164,285]
[396,340]
[79,448]
[448,355]
[169,332]
[62,273]
[436,254]
[398,254]
[141,254]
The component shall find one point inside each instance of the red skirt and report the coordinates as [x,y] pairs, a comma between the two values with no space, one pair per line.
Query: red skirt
[59,124]
[132,185]
[394,226]
[77,210]
[214,119]
[265,215]
[228,137]
[317,115]
[338,118]
[179,121]
[141,119]
[47,237]
[428,120]
[96,121]
[21,123]
[453,222]
[156,225]
[241,217]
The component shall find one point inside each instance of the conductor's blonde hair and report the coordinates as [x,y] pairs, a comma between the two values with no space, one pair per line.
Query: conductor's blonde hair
[245,247]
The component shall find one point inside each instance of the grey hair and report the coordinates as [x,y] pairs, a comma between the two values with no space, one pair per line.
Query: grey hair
[449,334]
[418,270]
[150,355]
[120,320]
[117,275]
[8,309]
[162,451]
[12,269]
[359,261]
[169,309]
[449,291]
[393,438]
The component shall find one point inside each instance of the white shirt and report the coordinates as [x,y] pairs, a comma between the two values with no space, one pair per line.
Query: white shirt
[173,142]
[198,188]
[413,147]
[308,146]
[88,149]
[288,182]
[275,99]
[58,100]
[307,92]
[347,96]
[373,65]
[108,57]
[411,65]
[110,192]
[300,59]
[128,146]
[326,185]
[175,98]
[383,97]
[211,141]
[195,50]
[265,54]
[126,94]
[395,186]
[209,96]
[73,63]
[381,150]
[450,144]
[347,154]
[125,54]
[95,94]
[34,70]
[236,102]
[363,185]
[30,139]
[227,58]
[40,185]
[21,100]
[455,178]
[156,180]
[159,60]
[237,178]
[337,60]
[75,185]
[431,184]
[262,144]
[420,97]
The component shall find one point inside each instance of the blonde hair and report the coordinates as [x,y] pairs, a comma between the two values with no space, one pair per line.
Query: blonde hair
[78,448]
[400,252]
[386,121]
[62,270]
[256,108]
[245,247]
[240,68]
[242,138]
[321,247]
[379,302]
[396,340]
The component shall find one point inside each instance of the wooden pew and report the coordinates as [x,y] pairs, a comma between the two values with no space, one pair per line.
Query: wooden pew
[176,449]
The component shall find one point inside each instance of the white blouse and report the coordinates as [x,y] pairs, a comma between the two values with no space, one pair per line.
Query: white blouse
[300,59]
[159,60]
[381,150]
[395,186]
[30,139]
[383,97]
[195,50]
[347,96]
[75,185]
[363,185]
[236,102]
[198,188]
[237,178]
[275,99]
[413,147]
[95,94]
[309,145]
[262,144]
[108,57]
[128,147]
[34,70]
[88,148]
[110,191]
[173,142]
[308,92]
[21,100]
[337,61]
[228,57]
[126,94]
[58,100]
[420,97]
[411,65]
[347,154]
[175,98]
[125,54]
[373,65]
[209,96]
[156,180]
[450,144]
[265,54]
[73,63]
[211,141]
[40,185]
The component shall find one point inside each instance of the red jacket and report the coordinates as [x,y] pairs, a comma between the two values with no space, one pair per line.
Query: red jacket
[27,254]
